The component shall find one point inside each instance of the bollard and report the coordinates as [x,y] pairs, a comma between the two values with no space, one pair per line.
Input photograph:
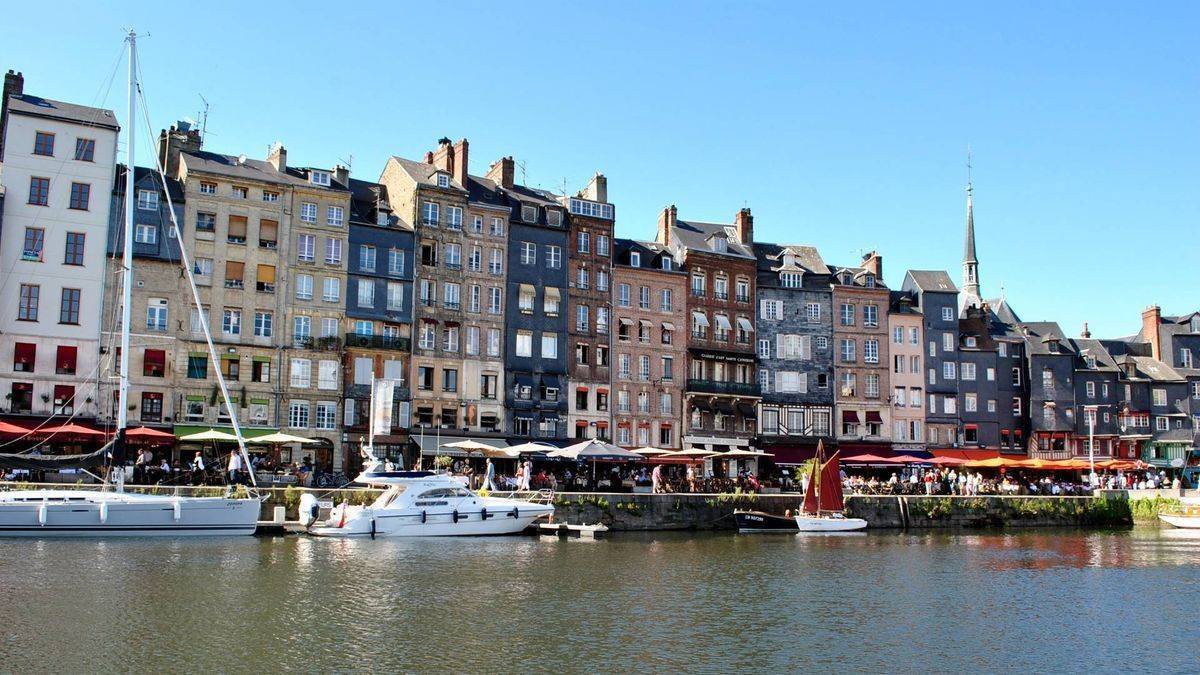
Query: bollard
[280,514]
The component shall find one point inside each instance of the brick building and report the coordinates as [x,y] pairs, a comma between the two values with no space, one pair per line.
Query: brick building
[861,359]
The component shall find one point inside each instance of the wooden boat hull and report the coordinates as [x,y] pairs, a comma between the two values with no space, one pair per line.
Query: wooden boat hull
[757,521]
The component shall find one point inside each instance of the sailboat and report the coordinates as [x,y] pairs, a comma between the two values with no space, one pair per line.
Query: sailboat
[822,510]
[110,511]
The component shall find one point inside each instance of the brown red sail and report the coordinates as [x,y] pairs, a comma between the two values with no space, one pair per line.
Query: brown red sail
[824,491]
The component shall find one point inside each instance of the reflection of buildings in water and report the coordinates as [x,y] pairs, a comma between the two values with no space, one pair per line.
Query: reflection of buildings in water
[1140,547]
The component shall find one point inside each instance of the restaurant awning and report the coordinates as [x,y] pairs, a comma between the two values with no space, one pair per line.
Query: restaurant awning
[745,324]
[182,430]
[849,417]
[723,322]
[429,445]
[700,319]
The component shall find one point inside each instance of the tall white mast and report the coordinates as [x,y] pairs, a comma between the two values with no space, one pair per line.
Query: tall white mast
[127,244]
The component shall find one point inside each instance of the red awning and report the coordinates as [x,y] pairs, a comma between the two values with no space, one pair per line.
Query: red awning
[873,416]
[12,429]
[850,416]
[71,430]
[581,423]
[147,432]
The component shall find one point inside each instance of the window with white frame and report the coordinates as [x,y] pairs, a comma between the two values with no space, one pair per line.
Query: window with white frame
[549,345]
[553,257]
[308,212]
[298,415]
[335,216]
[300,373]
[332,290]
[306,248]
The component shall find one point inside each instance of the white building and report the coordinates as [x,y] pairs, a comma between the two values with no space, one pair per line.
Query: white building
[56,172]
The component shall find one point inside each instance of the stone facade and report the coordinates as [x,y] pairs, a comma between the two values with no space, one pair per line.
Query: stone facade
[906,352]
[650,349]
[862,361]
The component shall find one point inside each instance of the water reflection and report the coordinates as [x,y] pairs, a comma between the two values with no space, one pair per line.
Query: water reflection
[666,601]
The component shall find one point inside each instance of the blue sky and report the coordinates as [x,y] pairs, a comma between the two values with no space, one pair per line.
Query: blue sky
[843,127]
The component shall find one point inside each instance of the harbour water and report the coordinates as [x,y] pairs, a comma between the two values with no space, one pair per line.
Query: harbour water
[881,601]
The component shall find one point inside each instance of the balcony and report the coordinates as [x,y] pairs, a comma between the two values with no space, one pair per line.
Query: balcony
[427,302]
[377,341]
[329,343]
[743,298]
[234,283]
[452,304]
[268,244]
[698,293]
[718,295]
[265,287]
[728,388]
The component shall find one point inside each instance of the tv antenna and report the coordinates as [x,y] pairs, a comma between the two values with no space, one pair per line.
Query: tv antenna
[524,175]
[203,117]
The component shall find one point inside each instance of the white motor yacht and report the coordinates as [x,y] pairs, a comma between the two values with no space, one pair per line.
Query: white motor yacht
[421,504]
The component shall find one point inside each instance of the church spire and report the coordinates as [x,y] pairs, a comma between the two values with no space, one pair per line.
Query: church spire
[970,273]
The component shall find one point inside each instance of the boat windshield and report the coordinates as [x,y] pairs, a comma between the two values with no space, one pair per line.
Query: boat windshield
[389,496]
[444,493]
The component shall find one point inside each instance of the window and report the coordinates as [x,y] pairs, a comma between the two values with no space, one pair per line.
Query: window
[871,351]
[970,402]
[81,193]
[147,200]
[300,373]
[208,188]
[331,289]
[947,342]
[144,233]
[1185,358]
[449,379]
[65,359]
[25,357]
[334,216]
[525,298]
[333,251]
[948,370]
[772,310]
[395,297]
[968,372]
[197,367]
[206,222]
[304,287]
[395,262]
[308,212]
[327,374]
[528,253]
[524,343]
[156,314]
[240,192]
[870,316]
[493,343]
[35,239]
[85,149]
[43,143]
[1161,423]
[366,258]
[584,242]
[1160,397]
[1016,377]
[601,280]
[306,248]
[549,345]
[553,257]
[39,191]
[951,405]
[298,415]
[665,302]
[1090,388]
[582,321]
[494,303]
[872,382]
[947,314]
[68,312]
[623,295]
[764,349]
[644,368]
[231,322]
[932,348]
[847,318]
[430,212]
[269,196]
[450,339]
[914,336]
[74,248]
[263,324]
[497,227]
[366,293]
[848,351]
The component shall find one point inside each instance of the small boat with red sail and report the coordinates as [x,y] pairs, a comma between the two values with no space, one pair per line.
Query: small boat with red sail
[823,506]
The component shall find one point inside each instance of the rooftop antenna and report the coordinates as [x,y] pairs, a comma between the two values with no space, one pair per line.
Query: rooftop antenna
[524,176]
[349,163]
[203,117]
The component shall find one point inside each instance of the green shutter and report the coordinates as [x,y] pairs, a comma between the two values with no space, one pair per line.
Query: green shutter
[261,359]
[260,401]
[195,397]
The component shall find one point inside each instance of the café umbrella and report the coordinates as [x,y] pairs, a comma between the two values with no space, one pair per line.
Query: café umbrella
[475,447]
[596,450]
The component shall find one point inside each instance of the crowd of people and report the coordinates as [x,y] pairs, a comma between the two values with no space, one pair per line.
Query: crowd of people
[603,477]
[968,482]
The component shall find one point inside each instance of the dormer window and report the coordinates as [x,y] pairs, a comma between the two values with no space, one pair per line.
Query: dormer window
[443,180]
[635,259]
[1053,346]
[529,214]
[789,279]
[731,233]
[667,263]
[846,278]
[869,281]
[319,178]
[972,341]
[1090,361]
[381,218]
[1195,324]
[720,244]
[554,218]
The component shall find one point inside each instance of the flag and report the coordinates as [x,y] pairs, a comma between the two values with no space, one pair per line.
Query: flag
[382,400]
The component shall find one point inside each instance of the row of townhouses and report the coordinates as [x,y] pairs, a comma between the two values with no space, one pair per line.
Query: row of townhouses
[514,313]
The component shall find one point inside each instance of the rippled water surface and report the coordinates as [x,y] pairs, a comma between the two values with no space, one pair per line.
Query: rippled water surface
[1038,601]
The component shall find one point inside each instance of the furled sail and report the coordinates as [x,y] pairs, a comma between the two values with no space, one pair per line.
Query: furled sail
[30,462]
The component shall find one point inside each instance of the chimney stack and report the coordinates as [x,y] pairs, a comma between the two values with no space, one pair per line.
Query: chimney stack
[597,189]
[501,172]
[666,220]
[459,163]
[1151,318]
[873,263]
[743,222]
[1086,333]
[179,138]
[14,85]
[278,157]
[341,174]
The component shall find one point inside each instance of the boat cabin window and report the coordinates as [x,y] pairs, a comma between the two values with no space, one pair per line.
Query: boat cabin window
[444,493]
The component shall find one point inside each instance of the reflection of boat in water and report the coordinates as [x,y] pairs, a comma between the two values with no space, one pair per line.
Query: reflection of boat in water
[422,504]
[758,521]
[1186,517]
[823,504]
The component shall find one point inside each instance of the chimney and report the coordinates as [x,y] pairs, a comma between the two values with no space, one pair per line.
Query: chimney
[873,263]
[1086,333]
[461,165]
[666,220]
[1151,318]
[278,157]
[597,189]
[743,222]
[501,172]
[14,85]
[341,174]
[179,138]
[442,159]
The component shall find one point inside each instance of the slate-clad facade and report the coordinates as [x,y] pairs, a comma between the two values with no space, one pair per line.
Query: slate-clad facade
[794,347]
[937,300]
[535,342]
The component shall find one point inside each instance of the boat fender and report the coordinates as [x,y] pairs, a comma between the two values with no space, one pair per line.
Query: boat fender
[483,514]
[42,514]
[516,512]
[103,512]
[177,506]
[309,509]
[372,528]
[422,517]
[455,515]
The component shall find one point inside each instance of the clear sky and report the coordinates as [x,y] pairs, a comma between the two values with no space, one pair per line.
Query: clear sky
[843,127]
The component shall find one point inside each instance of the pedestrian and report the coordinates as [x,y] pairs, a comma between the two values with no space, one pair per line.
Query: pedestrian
[656,479]
[489,476]
[198,468]
[234,466]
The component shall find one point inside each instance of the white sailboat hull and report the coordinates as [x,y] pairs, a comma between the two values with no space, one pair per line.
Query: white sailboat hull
[1181,521]
[829,523]
[90,513]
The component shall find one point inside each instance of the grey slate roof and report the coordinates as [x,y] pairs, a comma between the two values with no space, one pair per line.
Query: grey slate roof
[483,191]
[1039,334]
[857,274]
[695,235]
[1156,370]
[808,257]
[933,281]
[651,254]
[60,110]
[423,174]
[902,302]
[251,169]
[1095,348]
[141,175]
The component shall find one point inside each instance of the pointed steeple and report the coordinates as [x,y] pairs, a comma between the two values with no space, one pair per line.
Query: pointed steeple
[970,276]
